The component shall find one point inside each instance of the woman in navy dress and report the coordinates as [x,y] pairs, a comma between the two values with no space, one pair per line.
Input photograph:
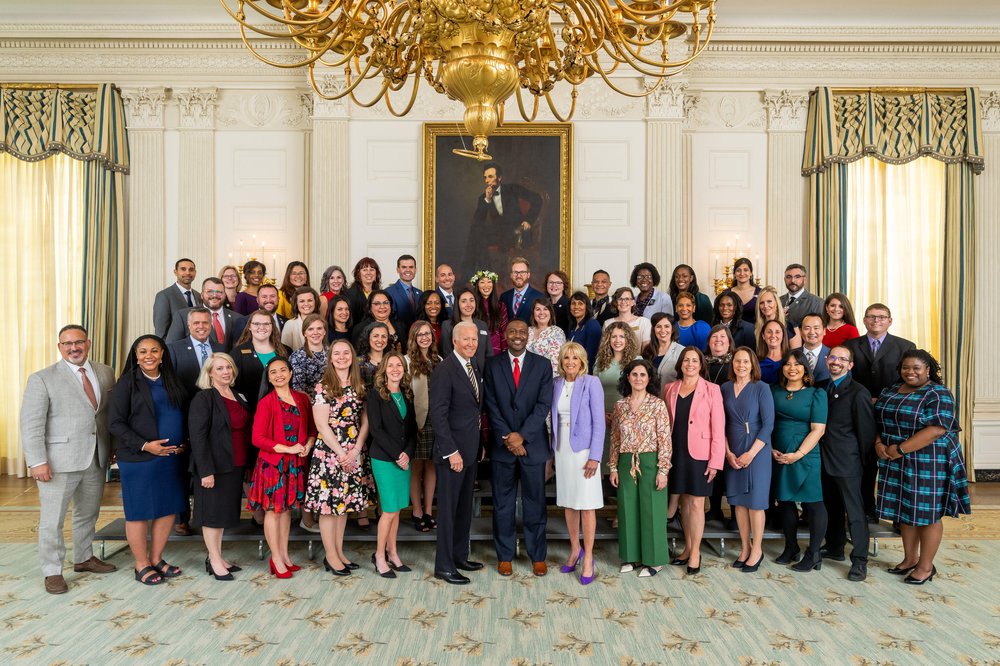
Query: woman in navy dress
[147,411]
[583,328]
[921,471]
[772,345]
[749,421]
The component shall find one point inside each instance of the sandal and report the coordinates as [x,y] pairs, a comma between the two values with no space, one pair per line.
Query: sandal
[149,576]
[419,524]
[167,570]
[430,522]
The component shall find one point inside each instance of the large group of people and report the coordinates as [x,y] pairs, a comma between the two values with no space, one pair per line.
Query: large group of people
[331,400]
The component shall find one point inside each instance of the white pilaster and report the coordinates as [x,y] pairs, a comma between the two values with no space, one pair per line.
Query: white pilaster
[196,204]
[786,188]
[667,235]
[328,230]
[146,201]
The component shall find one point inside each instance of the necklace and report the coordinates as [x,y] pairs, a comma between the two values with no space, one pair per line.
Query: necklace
[789,394]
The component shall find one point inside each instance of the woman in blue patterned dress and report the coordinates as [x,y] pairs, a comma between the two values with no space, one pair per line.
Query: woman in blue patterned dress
[340,477]
[921,469]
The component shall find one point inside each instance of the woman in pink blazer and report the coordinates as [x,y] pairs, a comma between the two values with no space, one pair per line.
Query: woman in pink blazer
[695,407]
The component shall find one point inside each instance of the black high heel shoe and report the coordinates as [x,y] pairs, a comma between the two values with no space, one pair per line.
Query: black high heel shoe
[211,572]
[388,574]
[910,580]
[808,563]
[752,568]
[336,572]
[901,571]
[678,562]
[788,555]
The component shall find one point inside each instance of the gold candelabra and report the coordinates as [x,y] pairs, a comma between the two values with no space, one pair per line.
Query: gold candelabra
[479,52]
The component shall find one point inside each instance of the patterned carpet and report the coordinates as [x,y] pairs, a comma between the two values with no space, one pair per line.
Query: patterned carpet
[719,616]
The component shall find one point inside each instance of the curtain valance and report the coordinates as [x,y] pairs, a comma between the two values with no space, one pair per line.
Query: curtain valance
[893,128]
[87,125]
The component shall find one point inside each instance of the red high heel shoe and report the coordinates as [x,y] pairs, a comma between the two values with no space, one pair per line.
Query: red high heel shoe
[278,574]
[294,567]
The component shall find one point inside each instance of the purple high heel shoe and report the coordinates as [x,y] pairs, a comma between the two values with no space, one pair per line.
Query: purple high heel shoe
[587,580]
[570,569]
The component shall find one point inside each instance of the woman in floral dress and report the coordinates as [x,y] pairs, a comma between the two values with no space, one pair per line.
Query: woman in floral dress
[545,337]
[340,477]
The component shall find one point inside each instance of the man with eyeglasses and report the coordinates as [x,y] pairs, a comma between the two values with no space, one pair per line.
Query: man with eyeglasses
[798,302]
[175,297]
[223,322]
[849,440]
[518,300]
[876,357]
[64,434]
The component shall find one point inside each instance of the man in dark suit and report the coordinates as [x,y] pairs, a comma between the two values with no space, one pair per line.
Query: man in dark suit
[189,353]
[812,346]
[798,302]
[456,405]
[175,297]
[444,280]
[604,309]
[518,397]
[519,299]
[848,441]
[502,222]
[876,356]
[402,292]
[223,322]
[267,299]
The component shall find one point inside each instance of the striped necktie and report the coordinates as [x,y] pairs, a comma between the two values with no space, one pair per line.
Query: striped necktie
[472,378]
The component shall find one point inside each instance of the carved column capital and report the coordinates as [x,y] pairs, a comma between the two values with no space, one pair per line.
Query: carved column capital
[786,110]
[334,109]
[668,101]
[144,107]
[989,105]
[197,106]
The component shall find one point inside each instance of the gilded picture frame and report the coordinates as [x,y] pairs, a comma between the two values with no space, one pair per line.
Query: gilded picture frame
[462,229]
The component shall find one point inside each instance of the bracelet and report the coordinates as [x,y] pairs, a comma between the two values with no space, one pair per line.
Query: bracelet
[899,450]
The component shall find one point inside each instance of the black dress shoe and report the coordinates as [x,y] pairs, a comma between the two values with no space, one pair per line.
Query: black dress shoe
[911,580]
[859,571]
[693,570]
[738,564]
[678,562]
[788,555]
[353,566]
[336,572]
[808,563]
[827,554]
[451,577]
[468,565]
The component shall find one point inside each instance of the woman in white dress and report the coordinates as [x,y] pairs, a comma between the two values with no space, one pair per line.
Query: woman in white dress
[578,441]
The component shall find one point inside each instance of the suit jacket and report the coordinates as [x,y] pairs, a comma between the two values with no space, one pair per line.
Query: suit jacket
[503,229]
[269,426]
[805,303]
[132,418]
[187,361]
[524,311]
[359,302]
[604,309]
[167,302]
[454,410]
[233,325]
[879,372]
[402,308]
[444,301]
[391,434]
[249,373]
[522,409]
[59,425]
[586,416]
[211,433]
[561,308]
[850,429]
[483,351]
[706,431]
[821,373]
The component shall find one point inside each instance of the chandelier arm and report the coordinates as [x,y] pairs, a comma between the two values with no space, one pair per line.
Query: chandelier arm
[520,106]
[349,89]
[283,65]
[555,112]
[332,6]
[375,99]
[413,98]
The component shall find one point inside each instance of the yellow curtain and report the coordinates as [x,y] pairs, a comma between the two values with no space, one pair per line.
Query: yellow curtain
[895,250]
[42,222]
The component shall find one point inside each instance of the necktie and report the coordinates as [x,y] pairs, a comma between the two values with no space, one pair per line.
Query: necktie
[875,345]
[413,301]
[517,301]
[451,299]
[220,335]
[187,295]
[811,359]
[472,378]
[517,372]
[88,388]
[791,299]
[204,352]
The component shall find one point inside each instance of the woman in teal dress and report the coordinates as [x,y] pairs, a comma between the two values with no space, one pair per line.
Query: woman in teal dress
[799,423]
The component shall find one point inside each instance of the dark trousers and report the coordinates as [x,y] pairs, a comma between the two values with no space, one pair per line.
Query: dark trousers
[842,495]
[506,478]
[868,479]
[816,514]
[454,515]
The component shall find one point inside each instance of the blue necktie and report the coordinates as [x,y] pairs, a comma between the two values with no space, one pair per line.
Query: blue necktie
[204,353]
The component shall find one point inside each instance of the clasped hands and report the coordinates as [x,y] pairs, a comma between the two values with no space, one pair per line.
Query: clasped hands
[741,461]
[786,458]
[515,444]
[889,452]
[157,448]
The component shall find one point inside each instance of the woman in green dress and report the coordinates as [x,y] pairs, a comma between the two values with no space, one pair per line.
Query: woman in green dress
[618,346]
[799,423]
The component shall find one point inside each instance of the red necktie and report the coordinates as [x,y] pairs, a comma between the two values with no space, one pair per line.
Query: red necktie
[517,372]
[220,335]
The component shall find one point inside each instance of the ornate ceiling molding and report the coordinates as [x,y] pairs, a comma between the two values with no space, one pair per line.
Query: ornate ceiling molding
[730,111]
[243,109]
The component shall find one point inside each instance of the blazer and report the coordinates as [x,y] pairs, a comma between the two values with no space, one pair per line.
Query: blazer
[167,302]
[877,373]
[706,422]
[187,361]
[269,427]
[561,308]
[821,373]
[359,302]
[742,331]
[805,303]
[454,410]
[233,323]
[586,415]
[211,433]
[522,409]
[850,428]
[132,418]
[59,426]
[421,395]
[391,434]
[483,351]
[589,335]
[444,302]
[401,306]
[660,303]
[524,311]
[249,373]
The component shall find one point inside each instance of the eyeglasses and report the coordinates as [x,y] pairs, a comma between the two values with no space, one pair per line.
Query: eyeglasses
[877,317]
[841,359]
[626,299]
[425,334]
[214,292]
[73,343]
[378,304]
[261,324]
[643,277]
[794,277]
[519,272]
[298,273]
[554,283]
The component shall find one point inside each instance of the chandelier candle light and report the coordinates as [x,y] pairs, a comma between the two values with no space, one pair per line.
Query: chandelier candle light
[480,52]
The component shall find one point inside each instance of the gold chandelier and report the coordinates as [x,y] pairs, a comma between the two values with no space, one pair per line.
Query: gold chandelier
[481,51]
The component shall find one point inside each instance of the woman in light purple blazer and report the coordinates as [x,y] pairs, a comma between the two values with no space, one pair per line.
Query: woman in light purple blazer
[578,442]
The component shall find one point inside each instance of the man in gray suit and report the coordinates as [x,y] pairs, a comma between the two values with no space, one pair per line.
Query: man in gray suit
[64,434]
[175,297]
[798,302]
